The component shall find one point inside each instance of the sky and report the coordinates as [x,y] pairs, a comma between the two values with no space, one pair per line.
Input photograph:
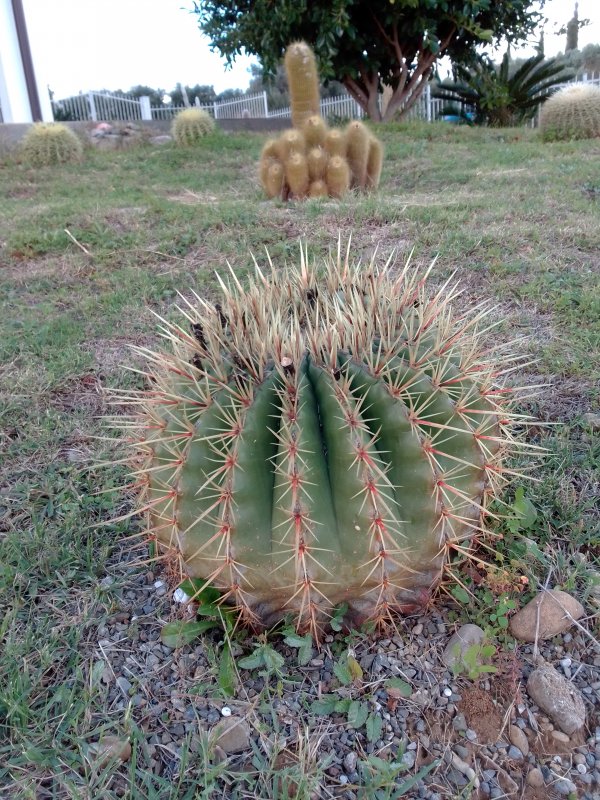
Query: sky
[116,44]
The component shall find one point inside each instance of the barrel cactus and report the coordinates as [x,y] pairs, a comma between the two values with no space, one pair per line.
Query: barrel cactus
[190,126]
[322,438]
[310,160]
[47,143]
[572,113]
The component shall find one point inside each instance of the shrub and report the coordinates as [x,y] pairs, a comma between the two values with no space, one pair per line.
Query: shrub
[48,143]
[191,125]
[572,113]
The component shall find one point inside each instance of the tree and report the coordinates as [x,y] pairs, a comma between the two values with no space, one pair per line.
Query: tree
[501,96]
[366,44]
[155,95]
[205,94]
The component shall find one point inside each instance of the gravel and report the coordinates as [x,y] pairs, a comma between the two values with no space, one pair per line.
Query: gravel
[173,698]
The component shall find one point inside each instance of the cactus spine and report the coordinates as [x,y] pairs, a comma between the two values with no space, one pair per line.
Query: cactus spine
[356,154]
[303,80]
[571,113]
[47,143]
[323,436]
[190,126]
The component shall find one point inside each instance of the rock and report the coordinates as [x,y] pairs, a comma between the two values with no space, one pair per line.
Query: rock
[124,685]
[459,643]
[233,735]
[162,139]
[518,738]
[350,762]
[592,421]
[514,753]
[556,611]
[535,777]
[558,698]
[559,736]
[109,748]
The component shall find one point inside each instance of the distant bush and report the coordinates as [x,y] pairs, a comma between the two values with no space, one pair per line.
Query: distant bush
[572,113]
[191,125]
[48,143]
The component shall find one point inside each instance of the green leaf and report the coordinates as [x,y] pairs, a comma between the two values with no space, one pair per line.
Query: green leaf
[374,727]
[414,779]
[398,687]
[304,645]
[354,668]
[324,705]
[338,617]
[342,672]
[253,661]
[177,634]
[193,588]
[461,595]
[357,714]
[272,660]
[342,706]
[227,675]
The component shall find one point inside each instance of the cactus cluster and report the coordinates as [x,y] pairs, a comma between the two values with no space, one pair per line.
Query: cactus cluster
[311,160]
[47,143]
[327,435]
[571,113]
[190,126]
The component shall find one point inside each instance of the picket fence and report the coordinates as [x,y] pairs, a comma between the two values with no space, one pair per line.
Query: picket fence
[98,106]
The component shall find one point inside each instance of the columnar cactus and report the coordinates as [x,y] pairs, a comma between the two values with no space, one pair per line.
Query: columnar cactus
[47,143]
[310,160]
[190,126]
[571,113]
[320,438]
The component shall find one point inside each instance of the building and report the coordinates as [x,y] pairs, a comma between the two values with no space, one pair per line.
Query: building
[22,96]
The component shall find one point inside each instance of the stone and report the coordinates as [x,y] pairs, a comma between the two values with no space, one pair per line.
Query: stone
[556,610]
[161,139]
[559,736]
[123,685]
[535,777]
[518,738]
[558,698]
[592,421]
[459,643]
[109,748]
[514,753]
[233,735]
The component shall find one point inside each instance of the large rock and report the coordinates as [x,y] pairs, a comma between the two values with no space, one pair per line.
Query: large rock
[234,735]
[558,698]
[465,637]
[556,610]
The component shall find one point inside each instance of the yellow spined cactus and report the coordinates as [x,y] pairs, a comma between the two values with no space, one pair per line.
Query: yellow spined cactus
[303,80]
[310,160]
[50,143]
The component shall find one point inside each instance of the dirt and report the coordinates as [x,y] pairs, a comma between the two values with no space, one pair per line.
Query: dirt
[481,714]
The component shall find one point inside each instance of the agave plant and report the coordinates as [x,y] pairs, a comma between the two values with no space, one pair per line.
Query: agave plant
[323,437]
[500,98]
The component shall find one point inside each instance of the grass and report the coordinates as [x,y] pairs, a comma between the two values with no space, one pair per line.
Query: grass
[515,219]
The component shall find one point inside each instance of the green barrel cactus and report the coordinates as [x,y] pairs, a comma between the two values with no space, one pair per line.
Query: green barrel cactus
[322,437]
[190,126]
[47,143]
[571,113]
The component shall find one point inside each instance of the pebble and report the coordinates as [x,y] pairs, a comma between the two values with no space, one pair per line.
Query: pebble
[123,685]
[518,739]
[564,787]
[557,697]
[549,613]
[535,777]
[459,643]
[559,736]
[350,761]
[226,711]
[514,753]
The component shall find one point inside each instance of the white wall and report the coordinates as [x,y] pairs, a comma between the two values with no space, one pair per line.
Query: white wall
[14,99]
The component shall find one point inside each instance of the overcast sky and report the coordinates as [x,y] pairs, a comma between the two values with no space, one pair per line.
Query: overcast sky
[115,44]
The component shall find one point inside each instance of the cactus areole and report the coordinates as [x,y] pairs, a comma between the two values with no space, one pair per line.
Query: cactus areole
[326,436]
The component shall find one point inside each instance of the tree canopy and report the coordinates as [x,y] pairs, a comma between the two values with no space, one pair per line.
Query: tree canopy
[367,44]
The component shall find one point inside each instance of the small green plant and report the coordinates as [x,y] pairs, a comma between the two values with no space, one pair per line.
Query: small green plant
[190,126]
[523,513]
[472,663]
[47,143]
[571,113]
[380,777]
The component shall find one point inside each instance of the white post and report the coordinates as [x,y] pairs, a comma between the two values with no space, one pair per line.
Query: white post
[197,101]
[93,114]
[145,109]
[14,98]
[266,104]
[428,101]
[216,109]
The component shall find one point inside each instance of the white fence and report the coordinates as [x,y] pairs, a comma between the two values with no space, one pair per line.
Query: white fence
[103,106]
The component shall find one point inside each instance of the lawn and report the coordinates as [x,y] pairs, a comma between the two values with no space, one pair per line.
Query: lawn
[88,254]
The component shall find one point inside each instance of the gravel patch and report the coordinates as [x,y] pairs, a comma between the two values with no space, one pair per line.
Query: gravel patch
[487,734]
